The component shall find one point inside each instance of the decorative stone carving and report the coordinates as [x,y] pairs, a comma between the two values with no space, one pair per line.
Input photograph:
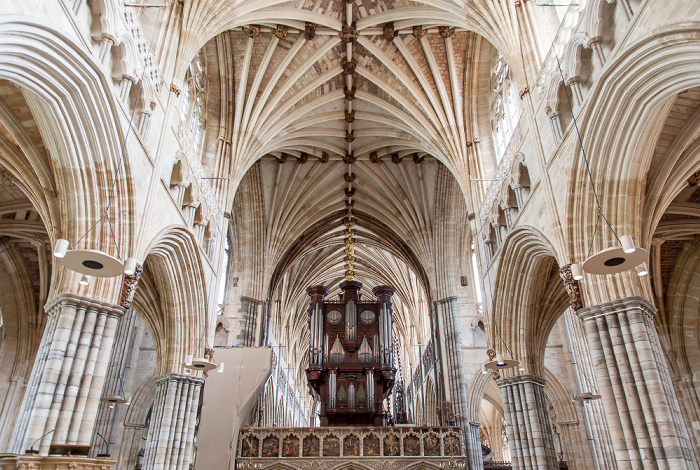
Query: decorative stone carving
[309,31]
[362,447]
[349,93]
[418,32]
[573,287]
[129,284]
[253,31]
[446,31]
[349,33]
[280,31]
[388,32]
[348,65]
[6,178]
[22,462]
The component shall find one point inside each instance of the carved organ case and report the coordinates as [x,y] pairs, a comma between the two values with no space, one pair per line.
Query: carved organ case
[351,354]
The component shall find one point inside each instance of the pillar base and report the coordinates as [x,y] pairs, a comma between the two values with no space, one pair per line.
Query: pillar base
[55,463]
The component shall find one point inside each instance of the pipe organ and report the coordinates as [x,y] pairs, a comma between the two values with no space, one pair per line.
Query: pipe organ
[351,354]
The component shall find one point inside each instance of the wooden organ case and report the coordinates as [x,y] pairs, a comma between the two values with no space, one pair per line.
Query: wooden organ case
[351,355]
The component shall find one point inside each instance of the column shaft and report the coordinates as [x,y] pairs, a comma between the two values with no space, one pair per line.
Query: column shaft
[68,374]
[170,442]
[527,418]
[646,424]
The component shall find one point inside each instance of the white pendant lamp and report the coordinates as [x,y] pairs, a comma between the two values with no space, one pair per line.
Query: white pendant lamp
[615,259]
[577,271]
[501,363]
[586,397]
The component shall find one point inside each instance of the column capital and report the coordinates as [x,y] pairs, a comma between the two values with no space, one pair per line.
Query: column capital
[79,301]
[520,379]
[615,306]
[175,377]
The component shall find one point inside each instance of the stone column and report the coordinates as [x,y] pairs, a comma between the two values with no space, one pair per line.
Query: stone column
[555,123]
[64,391]
[643,413]
[475,458]
[170,442]
[690,407]
[108,414]
[527,418]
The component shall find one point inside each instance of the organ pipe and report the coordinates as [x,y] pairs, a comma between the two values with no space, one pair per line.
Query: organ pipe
[332,389]
[350,321]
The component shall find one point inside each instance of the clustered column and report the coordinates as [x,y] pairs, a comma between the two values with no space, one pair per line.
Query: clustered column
[171,433]
[646,425]
[529,431]
[473,443]
[64,393]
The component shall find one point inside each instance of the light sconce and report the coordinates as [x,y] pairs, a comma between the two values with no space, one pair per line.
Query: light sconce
[642,270]
[577,271]
[61,247]
[627,244]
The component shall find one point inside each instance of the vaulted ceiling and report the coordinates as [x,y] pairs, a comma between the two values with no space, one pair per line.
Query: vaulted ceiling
[358,111]
[353,81]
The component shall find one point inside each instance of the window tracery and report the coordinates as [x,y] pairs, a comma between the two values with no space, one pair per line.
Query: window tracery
[193,108]
[504,109]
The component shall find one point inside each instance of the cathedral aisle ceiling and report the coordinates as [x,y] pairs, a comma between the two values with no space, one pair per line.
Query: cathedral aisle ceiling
[24,241]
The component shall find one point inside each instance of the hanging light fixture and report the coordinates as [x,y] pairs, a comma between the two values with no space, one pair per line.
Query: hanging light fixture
[97,262]
[201,363]
[60,248]
[642,270]
[500,363]
[84,280]
[586,397]
[611,260]
[130,266]
[116,399]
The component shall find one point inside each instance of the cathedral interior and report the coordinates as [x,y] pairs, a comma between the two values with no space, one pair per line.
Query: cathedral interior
[349,234]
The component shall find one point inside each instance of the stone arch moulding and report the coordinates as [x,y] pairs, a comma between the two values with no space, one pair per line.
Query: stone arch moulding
[477,388]
[646,74]
[85,121]
[175,261]
[523,259]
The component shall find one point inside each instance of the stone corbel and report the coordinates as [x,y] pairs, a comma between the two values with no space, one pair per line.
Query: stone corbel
[572,286]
